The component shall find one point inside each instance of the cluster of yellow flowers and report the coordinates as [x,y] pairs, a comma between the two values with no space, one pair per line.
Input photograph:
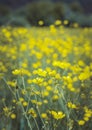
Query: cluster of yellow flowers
[49,72]
[57,115]
[87,116]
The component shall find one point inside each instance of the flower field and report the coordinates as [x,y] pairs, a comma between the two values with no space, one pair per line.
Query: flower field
[45,78]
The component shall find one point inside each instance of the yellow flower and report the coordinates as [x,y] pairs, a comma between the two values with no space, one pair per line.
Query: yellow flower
[86,118]
[45,101]
[39,103]
[58,22]
[57,115]
[76,25]
[38,80]
[55,97]
[14,101]
[13,116]
[53,29]
[60,115]
[45,93]
[44,115]
[24,92]
[16,72]
[81,122]
[21,72]
[23,47]
[12,83]
[66,22]
[32,112]
[52,73]
[49,88]
[71,105]
[25,103]
[40,22]
[21,99]
[6,109]
[40,72]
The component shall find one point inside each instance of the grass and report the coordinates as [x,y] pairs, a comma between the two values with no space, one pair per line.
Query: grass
[45,78]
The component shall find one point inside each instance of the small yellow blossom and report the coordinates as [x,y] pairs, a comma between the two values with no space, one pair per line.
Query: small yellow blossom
[81,122]
[40,22]
[57,115]
[55,97]
[58,22]
[71,105]
[66,22]
[44,115]
[16,72]
[13,116]
[32,112]
[25,103]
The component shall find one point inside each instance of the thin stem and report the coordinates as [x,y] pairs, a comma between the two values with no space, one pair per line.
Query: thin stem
[25,113]
[39,113]
[9,87]
[36,123]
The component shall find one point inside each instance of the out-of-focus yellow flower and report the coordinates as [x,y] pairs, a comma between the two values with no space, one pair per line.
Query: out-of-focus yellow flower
[85,118]
[41,22]
[45,101]
[21,72]
[40,72]
[16,72]
[44,116]
[53,29]
[49,88]
[65,22]
[13,116]
[32,112]
[12,83]
[71,105]
[75,25]
[21,99]
[58,22]
[45,93]
[6,109]
[38,80]
[55,97]
[57,115]
[25,103]
[81,122]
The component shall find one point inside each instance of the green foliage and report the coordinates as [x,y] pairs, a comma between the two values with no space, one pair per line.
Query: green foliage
[76,7]
[18,21]
[46,11]
[4,10]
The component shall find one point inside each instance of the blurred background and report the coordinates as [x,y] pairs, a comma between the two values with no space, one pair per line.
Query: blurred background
[29,12]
